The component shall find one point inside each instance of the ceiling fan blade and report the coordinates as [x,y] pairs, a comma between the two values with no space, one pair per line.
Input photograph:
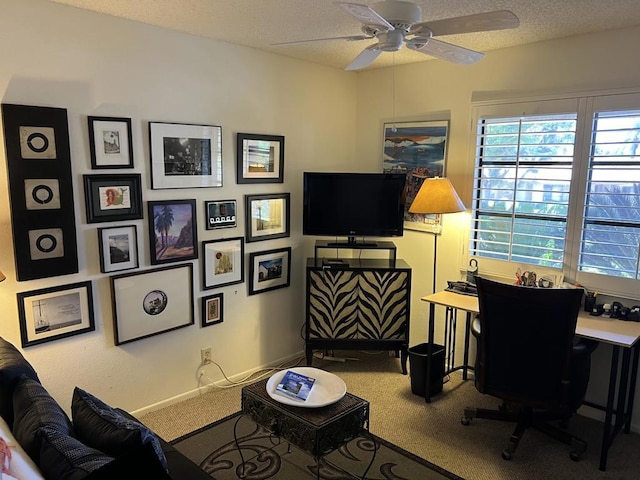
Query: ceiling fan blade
[479,22]
[365,14]
[365,58]
[444,50]
[349,38]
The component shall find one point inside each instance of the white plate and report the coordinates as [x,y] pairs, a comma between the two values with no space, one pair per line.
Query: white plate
[328,389]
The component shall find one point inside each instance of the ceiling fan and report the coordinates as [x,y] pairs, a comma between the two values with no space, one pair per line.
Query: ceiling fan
[394,23]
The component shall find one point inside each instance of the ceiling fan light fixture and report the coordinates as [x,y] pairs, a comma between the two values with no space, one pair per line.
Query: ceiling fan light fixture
[390,41]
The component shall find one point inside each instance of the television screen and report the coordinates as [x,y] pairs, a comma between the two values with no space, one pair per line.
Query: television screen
[353,204]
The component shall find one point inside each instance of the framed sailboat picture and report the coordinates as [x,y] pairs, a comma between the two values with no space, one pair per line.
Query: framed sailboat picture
[56,312]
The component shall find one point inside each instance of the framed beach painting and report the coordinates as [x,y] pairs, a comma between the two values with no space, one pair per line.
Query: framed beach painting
[419,150]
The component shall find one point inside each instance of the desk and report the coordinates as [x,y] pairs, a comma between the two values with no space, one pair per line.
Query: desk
[617,333]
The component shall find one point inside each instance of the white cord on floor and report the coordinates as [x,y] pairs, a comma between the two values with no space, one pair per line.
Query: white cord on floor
[251,378]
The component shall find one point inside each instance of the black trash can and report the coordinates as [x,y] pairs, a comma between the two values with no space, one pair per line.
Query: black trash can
[418,368]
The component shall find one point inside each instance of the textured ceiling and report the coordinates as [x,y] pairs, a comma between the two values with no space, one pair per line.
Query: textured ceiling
[260,23]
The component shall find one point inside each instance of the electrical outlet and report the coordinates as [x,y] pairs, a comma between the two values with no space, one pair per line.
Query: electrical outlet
[206,356]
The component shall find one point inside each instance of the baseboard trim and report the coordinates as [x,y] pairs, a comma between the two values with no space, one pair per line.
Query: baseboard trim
[206,388]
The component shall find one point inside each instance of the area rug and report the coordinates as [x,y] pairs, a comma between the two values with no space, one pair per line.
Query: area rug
[259,455]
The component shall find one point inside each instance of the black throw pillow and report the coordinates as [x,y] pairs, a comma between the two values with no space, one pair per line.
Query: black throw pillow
[139,463]
[102,427]
[34,408]
[12,366]
[65,457]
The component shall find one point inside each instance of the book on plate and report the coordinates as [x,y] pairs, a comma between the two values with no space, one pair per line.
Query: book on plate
[295,385]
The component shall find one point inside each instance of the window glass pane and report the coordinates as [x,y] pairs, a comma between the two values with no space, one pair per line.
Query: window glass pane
[523,183]
[610,242]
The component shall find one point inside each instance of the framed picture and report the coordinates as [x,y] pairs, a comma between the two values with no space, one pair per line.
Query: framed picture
[267,216]
[220,214]
[110,198]
[118,248]
[418,149]
[55,312]
[151,302]
[173,232]
[260,158]
[110,142]
[41,191]
[185,156]
[269,270]
[212,309]
[223,262]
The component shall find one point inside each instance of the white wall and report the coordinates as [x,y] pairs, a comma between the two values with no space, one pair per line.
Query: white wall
[437,90]
[90,64]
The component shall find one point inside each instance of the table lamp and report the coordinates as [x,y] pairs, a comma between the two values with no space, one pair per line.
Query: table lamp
[436,196]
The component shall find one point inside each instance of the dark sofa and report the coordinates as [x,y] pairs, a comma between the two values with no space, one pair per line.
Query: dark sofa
[97,442]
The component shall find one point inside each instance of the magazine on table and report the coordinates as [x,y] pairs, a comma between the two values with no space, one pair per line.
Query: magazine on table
[295,385]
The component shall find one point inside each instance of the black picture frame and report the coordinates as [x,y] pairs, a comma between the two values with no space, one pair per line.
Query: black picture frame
[267,216]
[150,302]
[56,312]
[269,270]
[41,191]
[220,214]
[185,155]
[212,309]
[110,142]
[222,262]
[173,232]
[112,197]
[259,158]
[118,247]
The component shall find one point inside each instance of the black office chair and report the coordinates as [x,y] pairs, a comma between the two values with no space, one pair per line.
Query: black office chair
[528,357]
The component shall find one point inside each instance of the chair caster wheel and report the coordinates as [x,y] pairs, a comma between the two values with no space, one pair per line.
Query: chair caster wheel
[465,421]
[575,455]
[506,454]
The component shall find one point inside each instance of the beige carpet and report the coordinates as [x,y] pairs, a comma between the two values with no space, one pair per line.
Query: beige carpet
[433,431]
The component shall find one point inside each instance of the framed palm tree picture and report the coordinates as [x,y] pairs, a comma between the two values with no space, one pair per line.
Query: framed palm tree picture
[172,231]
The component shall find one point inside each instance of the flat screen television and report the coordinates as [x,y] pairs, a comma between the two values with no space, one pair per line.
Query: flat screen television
[353,205]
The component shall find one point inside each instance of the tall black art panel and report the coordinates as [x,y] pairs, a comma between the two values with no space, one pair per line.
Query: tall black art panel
[41,191]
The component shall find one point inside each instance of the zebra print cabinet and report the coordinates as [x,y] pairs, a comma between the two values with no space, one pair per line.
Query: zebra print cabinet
[362,304]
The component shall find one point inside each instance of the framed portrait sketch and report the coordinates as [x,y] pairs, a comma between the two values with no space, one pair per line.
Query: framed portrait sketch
[151,302]
[267,216]
[269,270]
[185,156]
[259,158]
[56,312]
[118,248]
[110,142]
[173,235]
[418,149]
[223,262]
[110,198]
[212,312]
[220,214]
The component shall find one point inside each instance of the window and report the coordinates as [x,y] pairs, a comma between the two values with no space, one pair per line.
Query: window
[557,185]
